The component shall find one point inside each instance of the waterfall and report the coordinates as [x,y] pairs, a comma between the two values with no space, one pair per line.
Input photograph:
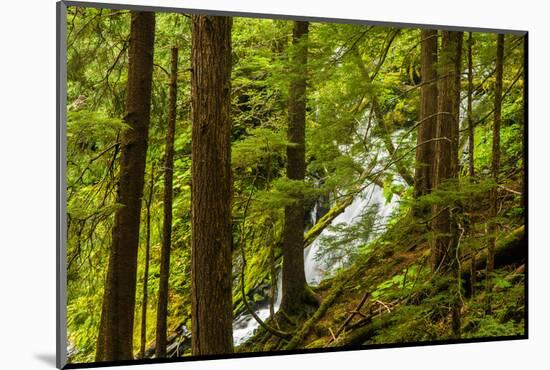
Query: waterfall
[372,195]
[313,214]
[245,325]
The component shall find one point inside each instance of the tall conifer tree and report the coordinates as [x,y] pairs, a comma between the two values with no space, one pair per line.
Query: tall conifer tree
[211,188]
[115,340]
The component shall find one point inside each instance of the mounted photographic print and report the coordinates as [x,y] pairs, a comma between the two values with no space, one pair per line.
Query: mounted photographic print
[236,185]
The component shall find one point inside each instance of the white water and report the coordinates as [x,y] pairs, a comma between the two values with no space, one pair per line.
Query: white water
[245,324]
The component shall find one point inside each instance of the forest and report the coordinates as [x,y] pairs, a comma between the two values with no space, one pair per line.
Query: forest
[243,185]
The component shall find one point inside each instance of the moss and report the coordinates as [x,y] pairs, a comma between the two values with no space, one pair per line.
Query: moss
[516,236]
[257,274]
[361,335]
[329,300]
[271,345]
[319,343]
[339,315]
[509,249]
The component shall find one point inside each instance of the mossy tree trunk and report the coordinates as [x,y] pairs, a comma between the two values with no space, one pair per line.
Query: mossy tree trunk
[148,201]
[444,247]
[115,341]
[162,305]
[446,154]
[211,188]
[428,116]
[495,163]
[471,141]
[294,281]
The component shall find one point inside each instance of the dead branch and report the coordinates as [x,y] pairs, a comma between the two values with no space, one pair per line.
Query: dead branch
[349,318]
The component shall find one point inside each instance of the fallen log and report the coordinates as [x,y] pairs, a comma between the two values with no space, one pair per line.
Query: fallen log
[513,277]
[510,250]
[326,220]
[338,208]
[361,335]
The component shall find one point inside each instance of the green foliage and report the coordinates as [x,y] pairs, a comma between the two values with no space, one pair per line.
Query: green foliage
[261,147]
[83,326]
[362,100]
[507,319]
[286,191]
[343,244]
[406,281]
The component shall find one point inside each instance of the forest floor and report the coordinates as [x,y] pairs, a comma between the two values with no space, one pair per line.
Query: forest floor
[391,296]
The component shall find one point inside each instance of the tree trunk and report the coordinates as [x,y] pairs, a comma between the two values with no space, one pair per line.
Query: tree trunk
[495,163]
[444,248]
[456,59]
[446,153]
[294,281]
[471,144]
[162,308]
[272,273]
[428,115]
[471,170]
[146,269]
[116,338]
[211,187]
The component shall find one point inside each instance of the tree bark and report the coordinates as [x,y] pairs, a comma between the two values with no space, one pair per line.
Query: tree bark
[294,281]
[446,153]
[211,188]
[162,307]
[495,163]
[146,269]
[471,143]
[116,338]
[444,248]
[428,115]
[456,59]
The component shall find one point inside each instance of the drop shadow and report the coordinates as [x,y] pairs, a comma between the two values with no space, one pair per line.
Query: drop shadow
[46,358]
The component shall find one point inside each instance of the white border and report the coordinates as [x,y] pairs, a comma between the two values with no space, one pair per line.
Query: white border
[28,182]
